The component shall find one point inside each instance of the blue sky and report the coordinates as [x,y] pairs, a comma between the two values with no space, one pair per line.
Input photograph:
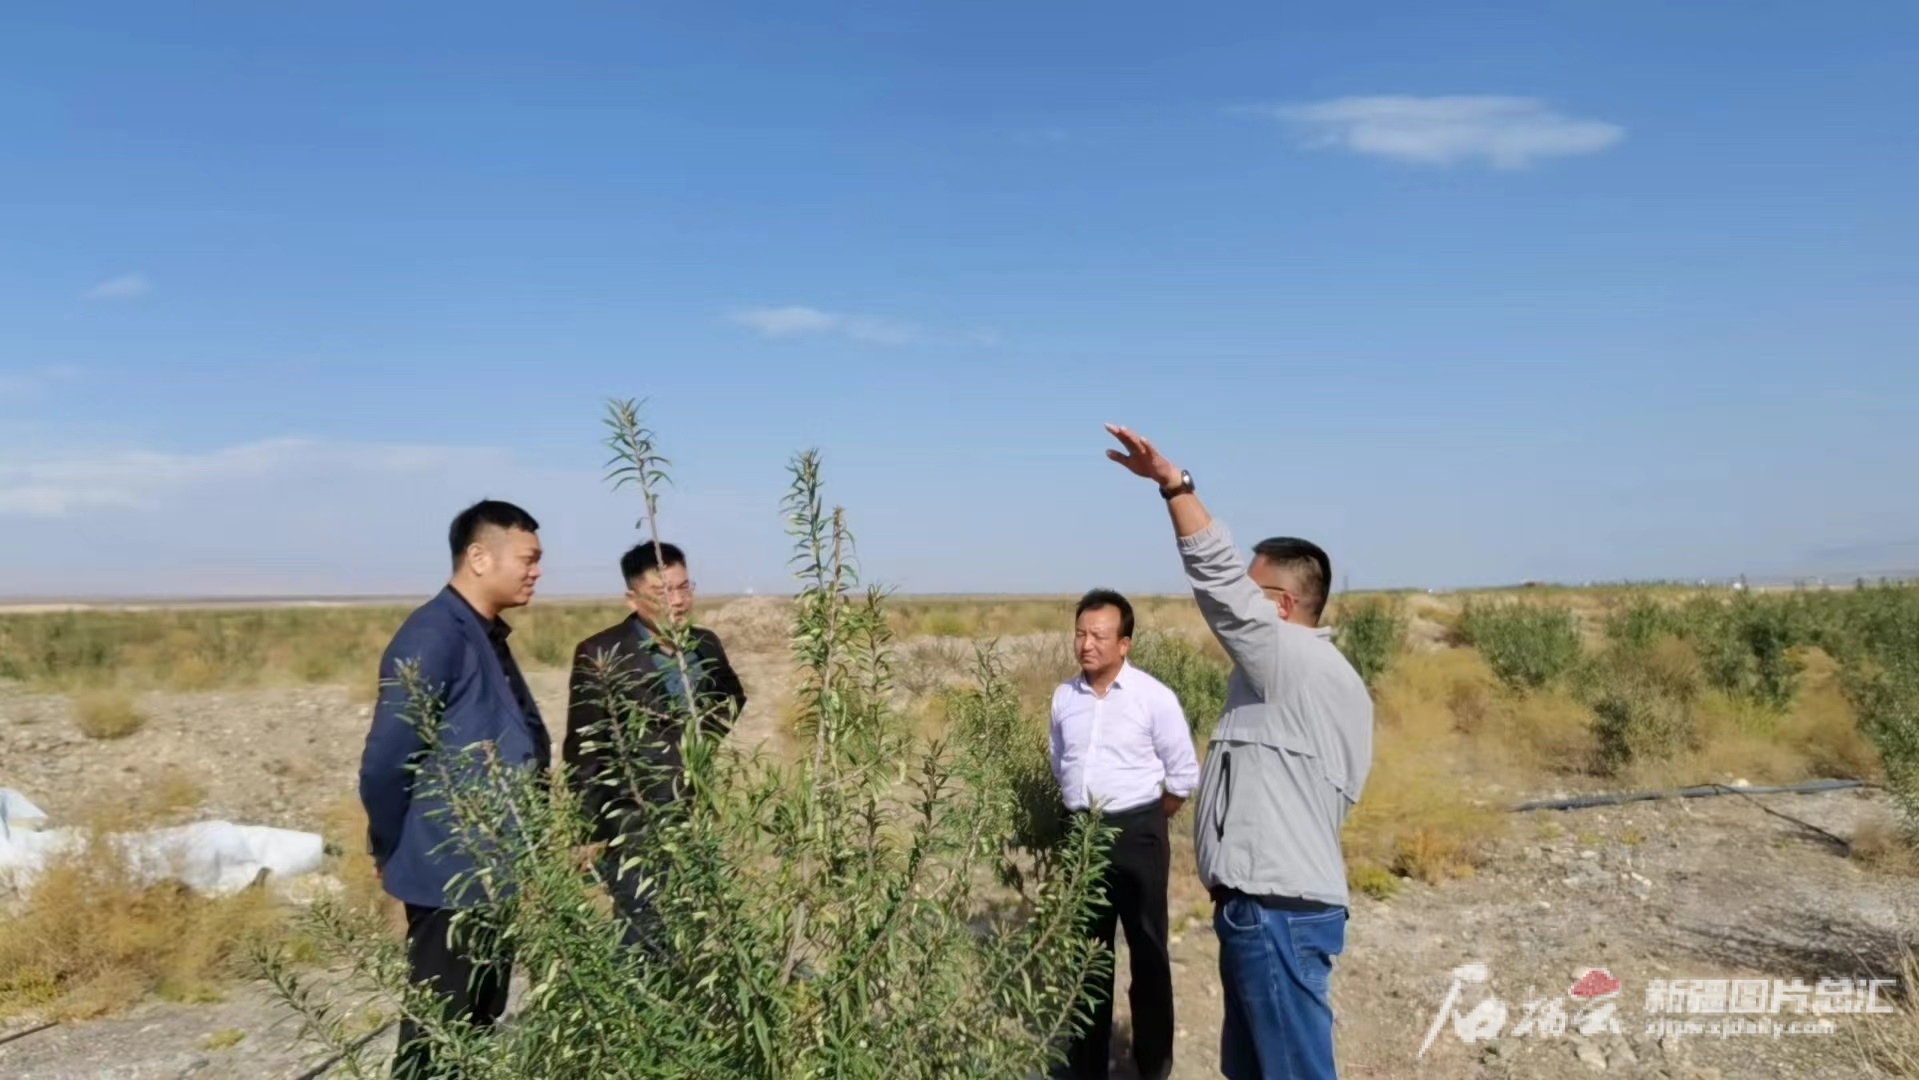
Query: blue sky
[1469,293]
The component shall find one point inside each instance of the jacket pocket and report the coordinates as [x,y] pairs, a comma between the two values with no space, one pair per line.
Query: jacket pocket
[1252,762]
[1225,802]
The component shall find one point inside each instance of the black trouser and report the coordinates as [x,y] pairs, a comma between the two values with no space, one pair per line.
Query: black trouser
[473,992]
[640,922]
[1135,897]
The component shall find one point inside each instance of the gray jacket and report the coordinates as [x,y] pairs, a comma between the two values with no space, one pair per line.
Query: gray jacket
[1292,749]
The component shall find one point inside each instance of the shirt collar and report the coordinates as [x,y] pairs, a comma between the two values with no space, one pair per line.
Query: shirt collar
[640,629]
[1126,669]
[496,628]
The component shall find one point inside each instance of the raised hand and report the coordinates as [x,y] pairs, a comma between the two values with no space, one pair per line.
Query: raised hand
[1141,459]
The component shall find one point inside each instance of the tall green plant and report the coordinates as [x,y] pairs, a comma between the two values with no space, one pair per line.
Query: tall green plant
[1369,632]
[825,917]
[1526,645]
[1747,645]
[1640,621]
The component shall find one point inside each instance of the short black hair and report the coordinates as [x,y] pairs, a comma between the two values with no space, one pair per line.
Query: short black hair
[1306,561]
[483,514]
[642,557]
[1107,598]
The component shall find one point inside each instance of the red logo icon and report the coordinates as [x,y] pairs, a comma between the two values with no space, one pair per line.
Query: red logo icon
[1596,983]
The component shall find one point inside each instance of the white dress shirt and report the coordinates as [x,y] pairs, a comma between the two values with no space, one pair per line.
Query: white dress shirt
[1116,751]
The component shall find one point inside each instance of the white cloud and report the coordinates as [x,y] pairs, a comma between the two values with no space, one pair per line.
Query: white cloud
[1506,132]
[302,516]
[125,287]
[17,385]
[784,322]
[798,320]
[71,483]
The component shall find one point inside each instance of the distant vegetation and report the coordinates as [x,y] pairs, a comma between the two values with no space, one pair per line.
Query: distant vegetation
[1482,699]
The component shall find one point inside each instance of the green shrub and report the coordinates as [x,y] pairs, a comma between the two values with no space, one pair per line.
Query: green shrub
[1016,750]
[1887,702]
[1195,675]
[1640,621]
[1746,645]
[1526,645]
[1642,701]
[1369,632]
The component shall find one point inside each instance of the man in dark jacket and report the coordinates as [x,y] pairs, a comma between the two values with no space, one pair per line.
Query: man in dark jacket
[457,641]
[636,657]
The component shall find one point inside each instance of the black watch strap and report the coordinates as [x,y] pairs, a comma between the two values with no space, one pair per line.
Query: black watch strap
[1185,486]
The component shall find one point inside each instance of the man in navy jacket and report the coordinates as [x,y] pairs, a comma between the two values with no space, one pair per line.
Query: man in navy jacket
[459,643]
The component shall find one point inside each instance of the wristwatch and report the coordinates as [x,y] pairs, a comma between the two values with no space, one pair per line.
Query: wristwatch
[1184,487]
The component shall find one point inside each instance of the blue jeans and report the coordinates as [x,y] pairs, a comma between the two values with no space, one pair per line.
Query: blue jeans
[1275,967]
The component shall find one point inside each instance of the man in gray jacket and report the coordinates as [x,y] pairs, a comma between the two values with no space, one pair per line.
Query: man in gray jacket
[1284,768]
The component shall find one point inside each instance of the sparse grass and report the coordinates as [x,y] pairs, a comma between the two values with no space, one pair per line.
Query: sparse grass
[224,1039]
[344,827]
[203,649]
[1888,1046]
[88,938]
[1878,846]
[106,714]
[1370,879]
[1424,813]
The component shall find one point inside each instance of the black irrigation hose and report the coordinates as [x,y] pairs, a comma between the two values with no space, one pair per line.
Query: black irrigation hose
[4,1039]
[1582,802]
[1707,790]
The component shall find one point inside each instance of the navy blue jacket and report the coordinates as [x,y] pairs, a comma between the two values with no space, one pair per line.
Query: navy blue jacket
[408,835]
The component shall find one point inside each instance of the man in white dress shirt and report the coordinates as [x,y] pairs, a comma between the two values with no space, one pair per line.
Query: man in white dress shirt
[1121,749]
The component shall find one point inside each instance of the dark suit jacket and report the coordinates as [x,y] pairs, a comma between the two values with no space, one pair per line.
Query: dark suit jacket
[406,827]
[718,690]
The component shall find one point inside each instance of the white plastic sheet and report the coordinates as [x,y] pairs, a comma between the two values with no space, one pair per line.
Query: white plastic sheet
[211,857]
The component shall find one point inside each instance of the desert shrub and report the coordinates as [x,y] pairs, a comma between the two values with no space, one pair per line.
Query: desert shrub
[1746,645]
[1642,701]
[1016,754]
[1369,632]
[1195,675]
[824,917]
[1639,621]
[1886,699]
[88,937]
[1373,880]
[106,714]
[1526,645]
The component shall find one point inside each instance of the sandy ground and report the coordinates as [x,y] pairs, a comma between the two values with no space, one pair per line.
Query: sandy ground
[1710,889]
